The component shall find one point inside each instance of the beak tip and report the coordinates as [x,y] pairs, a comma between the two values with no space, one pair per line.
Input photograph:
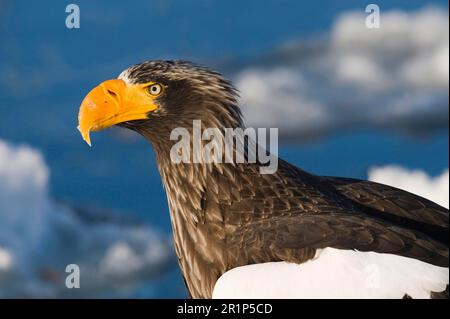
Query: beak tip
[88,141]
[85,136]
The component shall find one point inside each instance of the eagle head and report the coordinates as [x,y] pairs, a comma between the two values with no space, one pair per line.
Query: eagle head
[155,97]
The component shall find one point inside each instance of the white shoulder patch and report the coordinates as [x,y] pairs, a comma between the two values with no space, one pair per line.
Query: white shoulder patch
[335,273]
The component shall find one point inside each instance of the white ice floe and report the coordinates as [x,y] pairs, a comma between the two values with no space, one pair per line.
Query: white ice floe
[396,76]
[38,238]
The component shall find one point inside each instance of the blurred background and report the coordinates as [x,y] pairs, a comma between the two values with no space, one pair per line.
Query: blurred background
[348,101]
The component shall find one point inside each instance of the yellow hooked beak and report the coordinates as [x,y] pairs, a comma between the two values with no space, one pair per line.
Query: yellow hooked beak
[114,102]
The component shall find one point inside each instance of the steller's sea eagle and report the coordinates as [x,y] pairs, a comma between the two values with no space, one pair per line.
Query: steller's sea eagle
[290,234]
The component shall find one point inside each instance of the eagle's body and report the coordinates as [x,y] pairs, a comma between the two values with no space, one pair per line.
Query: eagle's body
[230,215]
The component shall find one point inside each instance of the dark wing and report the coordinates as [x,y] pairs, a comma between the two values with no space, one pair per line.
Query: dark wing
[290,214]
[401,207]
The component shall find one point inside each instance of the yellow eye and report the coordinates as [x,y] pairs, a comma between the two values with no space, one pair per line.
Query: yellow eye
[155,89]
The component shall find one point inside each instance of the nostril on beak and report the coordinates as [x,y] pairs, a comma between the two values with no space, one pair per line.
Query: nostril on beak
[113,95]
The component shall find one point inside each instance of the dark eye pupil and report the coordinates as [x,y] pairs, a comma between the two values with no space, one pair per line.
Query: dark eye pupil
[154,89]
